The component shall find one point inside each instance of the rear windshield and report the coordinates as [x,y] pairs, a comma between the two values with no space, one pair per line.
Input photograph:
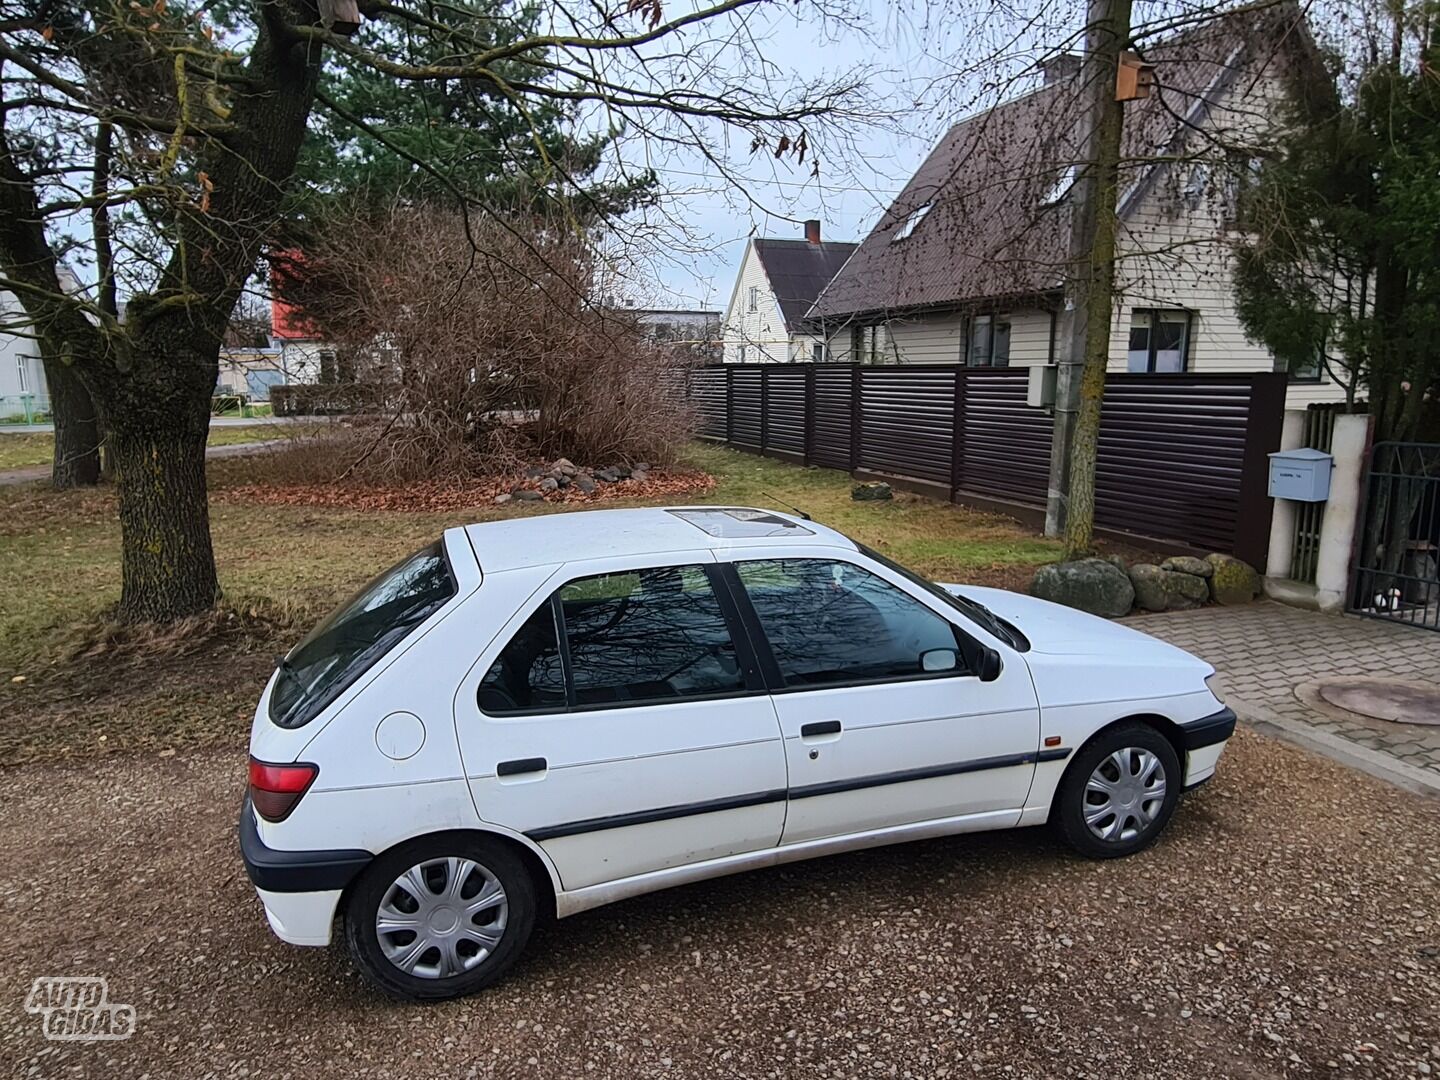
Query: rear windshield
[358,633]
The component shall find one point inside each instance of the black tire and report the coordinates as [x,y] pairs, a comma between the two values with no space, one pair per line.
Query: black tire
[1067,812]
[494,859]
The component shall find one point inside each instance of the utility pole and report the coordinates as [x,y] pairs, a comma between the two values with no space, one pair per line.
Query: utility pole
[1083,331]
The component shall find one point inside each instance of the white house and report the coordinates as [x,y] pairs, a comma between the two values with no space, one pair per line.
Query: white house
[968,264]
[778,282]
[23,390]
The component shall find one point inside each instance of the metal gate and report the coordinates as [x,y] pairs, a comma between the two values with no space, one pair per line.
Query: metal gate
[1397,565]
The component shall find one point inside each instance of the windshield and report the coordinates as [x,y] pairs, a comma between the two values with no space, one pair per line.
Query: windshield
[972,609]
[358,633]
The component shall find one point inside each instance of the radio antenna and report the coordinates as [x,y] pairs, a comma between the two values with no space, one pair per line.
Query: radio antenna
[798,512]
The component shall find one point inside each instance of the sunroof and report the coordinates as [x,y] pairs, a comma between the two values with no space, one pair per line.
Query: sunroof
[734,524]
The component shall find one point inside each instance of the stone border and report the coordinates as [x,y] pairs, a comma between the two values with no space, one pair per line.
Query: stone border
[1375,763]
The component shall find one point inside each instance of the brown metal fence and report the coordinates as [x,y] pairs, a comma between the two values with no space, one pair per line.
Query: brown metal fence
[1182,458]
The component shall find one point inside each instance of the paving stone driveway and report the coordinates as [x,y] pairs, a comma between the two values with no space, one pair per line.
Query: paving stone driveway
[1263,651]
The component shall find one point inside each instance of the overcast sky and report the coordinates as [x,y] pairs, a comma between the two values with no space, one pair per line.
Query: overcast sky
[910,59]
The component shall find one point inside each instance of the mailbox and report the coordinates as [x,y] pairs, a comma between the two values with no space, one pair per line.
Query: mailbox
[1302,475]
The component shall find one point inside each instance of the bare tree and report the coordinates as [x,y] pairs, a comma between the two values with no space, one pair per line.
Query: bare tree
[468,368]
[176,127]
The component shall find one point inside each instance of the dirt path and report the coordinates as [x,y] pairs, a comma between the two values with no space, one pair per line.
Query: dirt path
[1286,926]
[31,473]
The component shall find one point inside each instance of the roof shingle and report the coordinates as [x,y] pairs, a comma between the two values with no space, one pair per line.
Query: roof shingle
[994,229]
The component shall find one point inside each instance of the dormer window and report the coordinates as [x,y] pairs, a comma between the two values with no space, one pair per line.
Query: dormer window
[1061,189]
[909,224]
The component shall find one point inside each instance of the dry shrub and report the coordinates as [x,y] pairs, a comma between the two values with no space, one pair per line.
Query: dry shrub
[488,345]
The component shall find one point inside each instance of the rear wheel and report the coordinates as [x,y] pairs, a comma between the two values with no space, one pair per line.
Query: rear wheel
[440,917]
[1118,793]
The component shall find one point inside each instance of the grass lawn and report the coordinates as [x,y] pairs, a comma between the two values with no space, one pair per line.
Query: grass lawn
[22,451]
[281,567]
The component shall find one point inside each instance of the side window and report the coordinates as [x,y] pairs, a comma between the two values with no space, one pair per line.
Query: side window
[648,636]
[527,675]
[831,622]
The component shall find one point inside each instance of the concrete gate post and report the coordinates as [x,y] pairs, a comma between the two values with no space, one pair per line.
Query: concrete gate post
[1342,511]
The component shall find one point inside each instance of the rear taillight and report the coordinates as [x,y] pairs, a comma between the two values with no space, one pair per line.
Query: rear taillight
[275,790]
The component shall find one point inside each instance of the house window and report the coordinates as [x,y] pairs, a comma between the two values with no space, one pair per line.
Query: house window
[754,302]
[22,369]
[819,353]
[1309,369]
[870,344]
[1159,341]
[989,344]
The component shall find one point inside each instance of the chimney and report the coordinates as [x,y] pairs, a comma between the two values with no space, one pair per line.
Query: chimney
[1060,67]
[812,231]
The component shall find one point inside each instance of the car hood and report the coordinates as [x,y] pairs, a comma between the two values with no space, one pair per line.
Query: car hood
[1056,630]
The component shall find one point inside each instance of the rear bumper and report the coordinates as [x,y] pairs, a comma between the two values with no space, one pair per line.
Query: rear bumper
[1204,741]
[300,889]
[273,870]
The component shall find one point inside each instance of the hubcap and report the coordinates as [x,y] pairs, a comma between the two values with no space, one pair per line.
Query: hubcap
[1124,794]
[441,918]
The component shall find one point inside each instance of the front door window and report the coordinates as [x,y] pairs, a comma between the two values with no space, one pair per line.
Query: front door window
[833,622]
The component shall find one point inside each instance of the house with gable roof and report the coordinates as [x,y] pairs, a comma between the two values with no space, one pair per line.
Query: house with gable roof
[778,282]
[968,264]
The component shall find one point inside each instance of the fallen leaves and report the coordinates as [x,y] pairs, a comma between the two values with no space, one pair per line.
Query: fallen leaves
[661,485]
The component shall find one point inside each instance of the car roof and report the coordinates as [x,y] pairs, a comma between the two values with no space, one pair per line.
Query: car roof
[548,539]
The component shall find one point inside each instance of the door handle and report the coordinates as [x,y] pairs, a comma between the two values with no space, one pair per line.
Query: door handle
[521,765]
[820,727]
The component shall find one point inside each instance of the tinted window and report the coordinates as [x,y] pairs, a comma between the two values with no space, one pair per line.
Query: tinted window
[834,622]
[358,633]
[646,636]
[527,675]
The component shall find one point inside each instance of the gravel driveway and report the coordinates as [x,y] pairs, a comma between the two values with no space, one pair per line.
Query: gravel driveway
[1286,926]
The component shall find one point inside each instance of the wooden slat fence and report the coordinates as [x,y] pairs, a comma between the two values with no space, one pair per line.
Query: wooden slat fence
[1182,458]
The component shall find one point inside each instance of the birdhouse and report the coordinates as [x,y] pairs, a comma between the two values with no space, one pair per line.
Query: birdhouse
[340,16]
[1133,78]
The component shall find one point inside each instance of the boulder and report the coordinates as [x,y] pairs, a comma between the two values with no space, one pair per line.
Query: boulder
[640,475]
[534,472]
[563,467]
[1092,585]
[1188,564]
[1232,580]
[585,485]
[503,498]
[609,476]
[1159,589]
[528,496]
[875,491]
[549,484]
[1117,561]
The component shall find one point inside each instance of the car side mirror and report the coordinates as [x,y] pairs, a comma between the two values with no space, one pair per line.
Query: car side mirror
[990,665]
[932,660]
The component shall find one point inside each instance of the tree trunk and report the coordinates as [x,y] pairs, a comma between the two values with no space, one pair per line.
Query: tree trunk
[1110,29]
[167,564]
[77,428]
[155,415]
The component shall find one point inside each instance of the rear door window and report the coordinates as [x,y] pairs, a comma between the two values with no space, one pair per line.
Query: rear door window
[358,633]
[649,635]
[527,676]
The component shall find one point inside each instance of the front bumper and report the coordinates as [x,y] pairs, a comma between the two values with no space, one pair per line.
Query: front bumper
[1204,741]
[300,889]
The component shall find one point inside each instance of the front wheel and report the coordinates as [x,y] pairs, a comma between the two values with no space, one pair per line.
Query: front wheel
[1118,793]
[440,917]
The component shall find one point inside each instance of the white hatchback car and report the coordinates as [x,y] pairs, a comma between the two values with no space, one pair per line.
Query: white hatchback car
[553,713]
